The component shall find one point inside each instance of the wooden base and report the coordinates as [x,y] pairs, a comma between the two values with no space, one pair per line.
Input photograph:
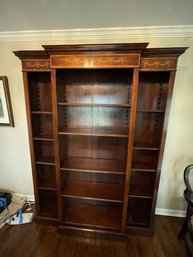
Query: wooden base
[90,233]
[47,220]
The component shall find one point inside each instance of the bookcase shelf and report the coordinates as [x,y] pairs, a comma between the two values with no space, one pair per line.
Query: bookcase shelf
[49,160]
[94,165]
[96,115]
[93,105]
[99,131]
[93,190]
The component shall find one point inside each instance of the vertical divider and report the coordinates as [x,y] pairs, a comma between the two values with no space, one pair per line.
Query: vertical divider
[56,143]
[130,143]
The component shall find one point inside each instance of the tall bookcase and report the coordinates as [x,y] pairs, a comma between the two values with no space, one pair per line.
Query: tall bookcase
[97,118]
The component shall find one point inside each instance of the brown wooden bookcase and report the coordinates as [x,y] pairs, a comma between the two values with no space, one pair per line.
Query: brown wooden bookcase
[97,118]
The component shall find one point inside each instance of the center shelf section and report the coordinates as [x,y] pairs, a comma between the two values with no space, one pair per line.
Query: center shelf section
[108,87]
[93,190]
[94,165]
[93,120]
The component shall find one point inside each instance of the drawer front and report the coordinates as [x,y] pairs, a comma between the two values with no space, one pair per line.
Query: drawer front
[95,61]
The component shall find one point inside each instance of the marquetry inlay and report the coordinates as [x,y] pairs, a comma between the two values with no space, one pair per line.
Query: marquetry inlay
[158,63]
[33,64]
[91,61]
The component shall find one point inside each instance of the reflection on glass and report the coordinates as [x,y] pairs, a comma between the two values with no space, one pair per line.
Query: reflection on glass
[1,109]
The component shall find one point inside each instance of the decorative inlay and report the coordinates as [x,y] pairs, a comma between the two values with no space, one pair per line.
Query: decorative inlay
[158,63]
[91,61]
[40,64]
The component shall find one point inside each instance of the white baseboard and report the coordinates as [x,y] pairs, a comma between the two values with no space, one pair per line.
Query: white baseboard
[98,35]
[30,198]
[170,212]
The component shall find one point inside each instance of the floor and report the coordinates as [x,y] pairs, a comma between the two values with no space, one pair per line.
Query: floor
[38,240]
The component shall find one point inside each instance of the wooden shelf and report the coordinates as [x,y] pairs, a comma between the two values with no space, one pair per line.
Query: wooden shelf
[47,184]
[140,191]
[94,165]
[93,105]
[41,112]
[144,166]
[50,160]
[43,138]
[47,187]
[100,131]
[145,147]
[93,215]
[93,190]
[151,111]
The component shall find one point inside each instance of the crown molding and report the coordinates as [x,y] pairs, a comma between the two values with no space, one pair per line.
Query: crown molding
[121,34]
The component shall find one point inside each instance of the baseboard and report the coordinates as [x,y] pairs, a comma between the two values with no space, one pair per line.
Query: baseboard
[99,35]
[30,198]
[170,212]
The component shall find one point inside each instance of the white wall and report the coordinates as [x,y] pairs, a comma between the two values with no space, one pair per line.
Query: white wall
[72,14]
[15,168]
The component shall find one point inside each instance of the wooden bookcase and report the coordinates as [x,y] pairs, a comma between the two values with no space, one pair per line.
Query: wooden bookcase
[97,118]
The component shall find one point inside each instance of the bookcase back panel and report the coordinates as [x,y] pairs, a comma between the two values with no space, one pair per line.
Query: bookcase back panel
[139,211]
[44,149]
[92,213]
[145,159]
[40,91]
[148,129]
[93,177]
[94,86]
[48,203]
[46,176]
[93,147]
[154,87]
[142,184]
[96,117]
[42,125]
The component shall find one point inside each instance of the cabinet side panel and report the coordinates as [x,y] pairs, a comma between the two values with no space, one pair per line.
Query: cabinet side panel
[56,142]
